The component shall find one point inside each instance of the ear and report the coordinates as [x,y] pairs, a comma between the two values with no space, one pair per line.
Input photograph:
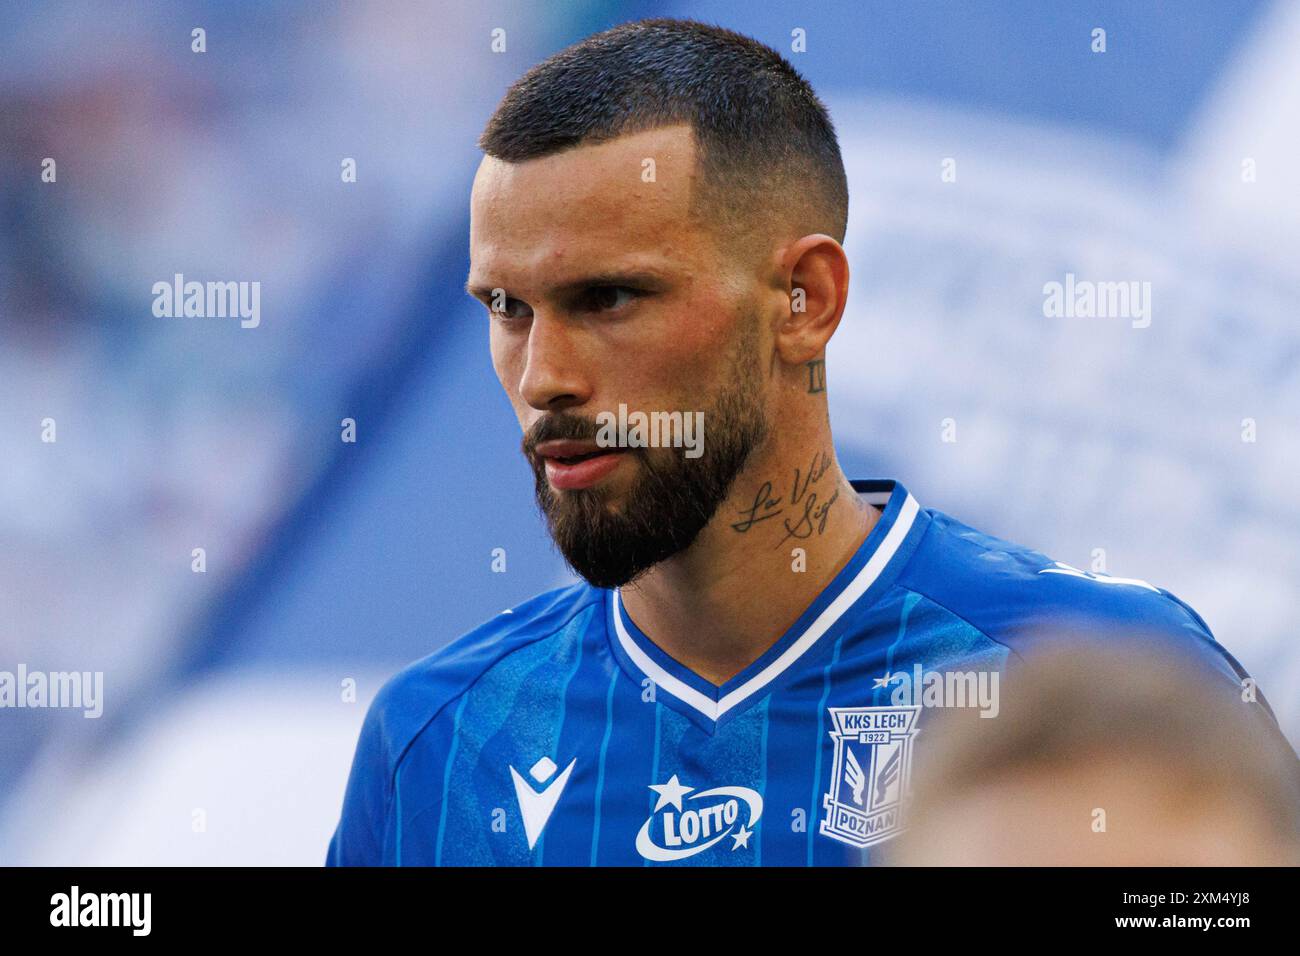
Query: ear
[815,272]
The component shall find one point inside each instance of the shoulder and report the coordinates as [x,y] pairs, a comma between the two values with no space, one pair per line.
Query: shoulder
[1021,598]
[413,699]
[422,690]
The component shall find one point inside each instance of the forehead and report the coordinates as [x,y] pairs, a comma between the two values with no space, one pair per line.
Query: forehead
[585,209]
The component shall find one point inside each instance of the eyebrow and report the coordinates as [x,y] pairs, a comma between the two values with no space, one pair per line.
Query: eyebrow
[640,278]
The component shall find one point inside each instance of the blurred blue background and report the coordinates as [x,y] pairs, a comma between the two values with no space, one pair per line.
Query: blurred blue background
[226,735]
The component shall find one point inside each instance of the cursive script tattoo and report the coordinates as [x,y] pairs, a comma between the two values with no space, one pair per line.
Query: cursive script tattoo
[805,513]
[813,518]
[764,503]
[820,463]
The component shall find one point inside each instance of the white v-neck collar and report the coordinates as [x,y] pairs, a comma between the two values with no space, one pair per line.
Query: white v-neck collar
[866,568]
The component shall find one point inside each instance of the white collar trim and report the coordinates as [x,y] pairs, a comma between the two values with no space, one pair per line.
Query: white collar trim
[849,596]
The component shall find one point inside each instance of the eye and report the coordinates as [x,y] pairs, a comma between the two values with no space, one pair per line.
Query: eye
[512,310]
[607,298]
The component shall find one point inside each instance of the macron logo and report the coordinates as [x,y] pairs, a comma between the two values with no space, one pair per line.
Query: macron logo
[536,806]
[1063,568]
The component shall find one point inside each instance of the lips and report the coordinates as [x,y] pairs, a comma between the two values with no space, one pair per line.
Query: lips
[575,463]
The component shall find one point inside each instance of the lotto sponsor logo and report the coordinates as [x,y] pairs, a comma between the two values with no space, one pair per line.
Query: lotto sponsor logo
[686,821]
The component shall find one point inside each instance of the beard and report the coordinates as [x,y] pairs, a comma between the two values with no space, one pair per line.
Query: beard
[671,498]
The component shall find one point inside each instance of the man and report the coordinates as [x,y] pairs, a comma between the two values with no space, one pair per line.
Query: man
[656,231]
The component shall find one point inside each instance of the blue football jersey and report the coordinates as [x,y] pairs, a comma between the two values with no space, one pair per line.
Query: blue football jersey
[559,734]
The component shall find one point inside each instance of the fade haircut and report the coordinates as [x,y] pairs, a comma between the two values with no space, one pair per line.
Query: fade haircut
[767,157]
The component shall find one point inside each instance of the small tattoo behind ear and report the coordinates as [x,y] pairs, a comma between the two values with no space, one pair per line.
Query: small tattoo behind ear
[816,376]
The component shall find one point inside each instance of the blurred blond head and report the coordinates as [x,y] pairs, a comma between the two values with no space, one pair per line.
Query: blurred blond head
[1105,758]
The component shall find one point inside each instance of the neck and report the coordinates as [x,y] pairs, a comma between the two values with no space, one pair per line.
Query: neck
[790,524]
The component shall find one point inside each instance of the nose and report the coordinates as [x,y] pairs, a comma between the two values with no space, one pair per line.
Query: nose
[554,376]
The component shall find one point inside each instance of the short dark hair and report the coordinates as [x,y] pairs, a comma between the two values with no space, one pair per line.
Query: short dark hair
[759,126]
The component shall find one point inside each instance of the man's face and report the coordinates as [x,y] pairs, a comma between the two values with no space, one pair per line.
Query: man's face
[608,291]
